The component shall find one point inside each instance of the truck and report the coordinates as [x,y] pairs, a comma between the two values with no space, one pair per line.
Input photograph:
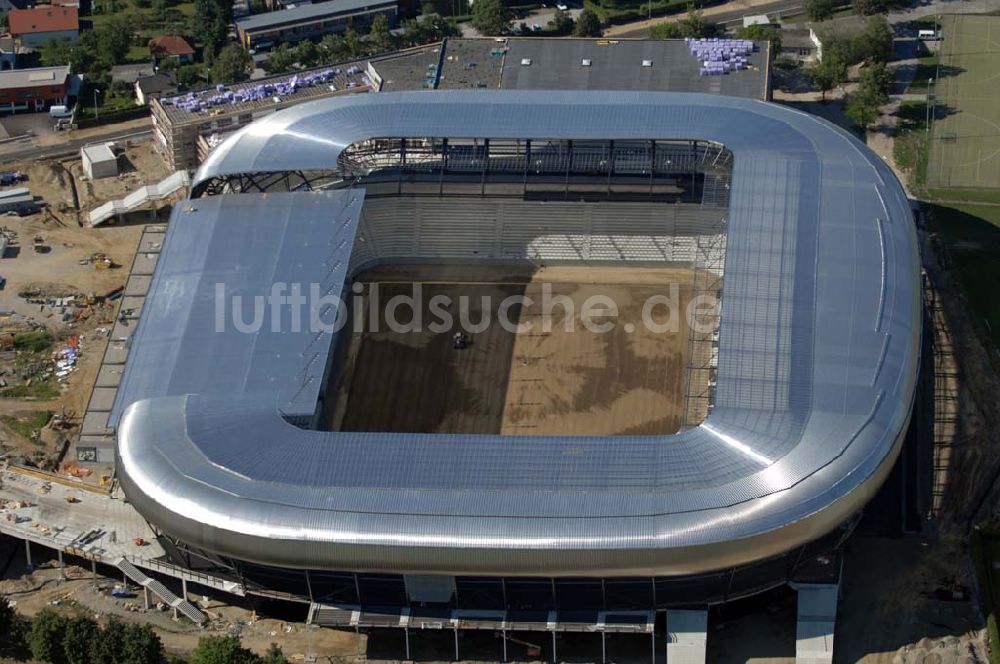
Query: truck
[60,111]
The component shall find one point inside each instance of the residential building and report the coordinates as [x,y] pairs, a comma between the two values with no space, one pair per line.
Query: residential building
[845,27]
[312,21]
[152,87]
[132,72]
[797,44]
[34,89]
[171,47]
[33,27]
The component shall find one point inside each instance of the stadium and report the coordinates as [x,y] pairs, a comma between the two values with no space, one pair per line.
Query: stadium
[364,469]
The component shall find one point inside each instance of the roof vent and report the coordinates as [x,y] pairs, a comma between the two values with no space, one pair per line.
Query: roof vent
[585,62]
[525,62]
[647,63]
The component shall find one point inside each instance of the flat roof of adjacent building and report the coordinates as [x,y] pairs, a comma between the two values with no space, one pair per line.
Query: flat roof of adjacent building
[43,19]
[31,78]
[558,64]
[472,63]
[308,13]
[495,63]
[98,152]
[413,69]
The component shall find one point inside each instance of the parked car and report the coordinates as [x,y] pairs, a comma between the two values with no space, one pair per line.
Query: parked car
[60,111]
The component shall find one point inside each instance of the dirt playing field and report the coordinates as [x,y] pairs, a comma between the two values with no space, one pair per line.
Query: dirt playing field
[545,373]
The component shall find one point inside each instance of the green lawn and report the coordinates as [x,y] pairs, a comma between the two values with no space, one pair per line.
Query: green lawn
[926,70]
[27,424]
[147,24]
[910,144]
[971,234]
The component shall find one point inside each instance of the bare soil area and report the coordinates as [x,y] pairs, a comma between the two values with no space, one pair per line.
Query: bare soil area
[545,373]
[51,285]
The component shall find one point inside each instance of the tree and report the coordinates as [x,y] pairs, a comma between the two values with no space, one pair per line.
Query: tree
[222,650]
[189,76]
[110,648]
[869,7]
[160,10]
[828,73]
[433,29]
[113,39]
[768,33]
[45,640]
[13,631]
[692,25]
[819,10]
[209,23]
[142,645]
[332,48]
[352,43]
[862,109]
[279,60]
[379,36]
[56,52]
[274,655]
[841,49]
[588,24]
[490,17]
[307,53]
[78,641]
[562,22]
[874,43]
[232,65]
[878,79]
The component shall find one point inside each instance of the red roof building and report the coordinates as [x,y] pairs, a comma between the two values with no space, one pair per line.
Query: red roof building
[34,27]
[171,46]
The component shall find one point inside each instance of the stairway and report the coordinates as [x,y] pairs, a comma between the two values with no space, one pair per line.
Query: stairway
[161,591]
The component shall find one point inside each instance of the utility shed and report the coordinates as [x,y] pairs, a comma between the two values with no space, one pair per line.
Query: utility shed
[99,161]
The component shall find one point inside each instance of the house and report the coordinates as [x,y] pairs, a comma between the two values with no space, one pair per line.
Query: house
[132,72]
[34,89]
[33,27]
[171,47]
[845,27]
[311,21]
[797,44]
[153,87]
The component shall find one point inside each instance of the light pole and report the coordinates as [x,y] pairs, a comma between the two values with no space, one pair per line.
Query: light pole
[930,97]
[95,103]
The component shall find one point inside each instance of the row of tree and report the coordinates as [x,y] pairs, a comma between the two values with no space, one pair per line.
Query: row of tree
[350,45]
[57,639]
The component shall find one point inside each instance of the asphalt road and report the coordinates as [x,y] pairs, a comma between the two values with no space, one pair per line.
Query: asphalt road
[781,6]
[20,149]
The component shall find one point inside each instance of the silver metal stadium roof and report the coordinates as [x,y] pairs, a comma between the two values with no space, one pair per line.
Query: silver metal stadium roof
[818,357]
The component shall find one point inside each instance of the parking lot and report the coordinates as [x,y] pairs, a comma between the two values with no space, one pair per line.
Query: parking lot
[27,124]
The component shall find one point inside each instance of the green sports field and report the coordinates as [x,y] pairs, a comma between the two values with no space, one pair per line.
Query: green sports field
[965,134]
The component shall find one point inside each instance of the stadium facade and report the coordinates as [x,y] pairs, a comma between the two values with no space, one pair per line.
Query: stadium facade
[812,386]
